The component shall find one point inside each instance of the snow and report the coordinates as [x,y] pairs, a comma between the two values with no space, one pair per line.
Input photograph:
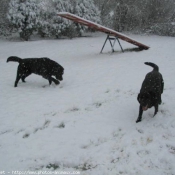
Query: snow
[87,123]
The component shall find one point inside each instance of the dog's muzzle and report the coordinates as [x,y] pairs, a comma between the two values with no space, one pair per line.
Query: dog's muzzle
[60,77]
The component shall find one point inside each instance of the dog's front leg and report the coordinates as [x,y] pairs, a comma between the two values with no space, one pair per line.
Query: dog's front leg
[160,98]
[27,73]
[17,80]
[156,109]
[139,119]
[55,81]
[50,81]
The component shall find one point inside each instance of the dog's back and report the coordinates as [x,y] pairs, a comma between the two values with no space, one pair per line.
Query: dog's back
[153,80]
[36,65]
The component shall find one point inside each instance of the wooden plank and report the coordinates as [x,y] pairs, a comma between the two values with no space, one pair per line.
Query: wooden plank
[101,28]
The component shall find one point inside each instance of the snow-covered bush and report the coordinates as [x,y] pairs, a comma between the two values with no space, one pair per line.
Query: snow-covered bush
[53,25]
[126,17]
[164,29]
[27,16]
[87,10]
[23,16]
[45,24]
[61,26]
[138,16]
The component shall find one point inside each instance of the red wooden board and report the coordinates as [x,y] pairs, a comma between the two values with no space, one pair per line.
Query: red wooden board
[101,28]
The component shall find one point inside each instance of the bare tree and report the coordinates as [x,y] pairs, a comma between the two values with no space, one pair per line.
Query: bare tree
[141,15]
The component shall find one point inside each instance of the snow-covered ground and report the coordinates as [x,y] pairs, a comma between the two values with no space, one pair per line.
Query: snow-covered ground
[87,123]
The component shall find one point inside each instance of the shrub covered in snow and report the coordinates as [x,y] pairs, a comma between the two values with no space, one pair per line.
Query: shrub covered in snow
[165,29]
[53,25]
[61,26]
[23,16]
[44,28]
[88,10]
[27,16]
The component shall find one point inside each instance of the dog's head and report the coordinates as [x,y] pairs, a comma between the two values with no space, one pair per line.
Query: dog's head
[146,100]
[58,72]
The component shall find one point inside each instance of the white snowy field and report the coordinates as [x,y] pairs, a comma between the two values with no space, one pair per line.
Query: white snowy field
[87,123]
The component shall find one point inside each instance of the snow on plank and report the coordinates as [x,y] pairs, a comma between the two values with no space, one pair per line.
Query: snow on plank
[101,28]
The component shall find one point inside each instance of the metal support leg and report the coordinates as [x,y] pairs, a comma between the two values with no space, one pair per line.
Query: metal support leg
[120,44]
[104,43]
[112,44]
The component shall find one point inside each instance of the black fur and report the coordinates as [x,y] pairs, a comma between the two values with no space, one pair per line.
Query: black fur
[40,66]
[151,90]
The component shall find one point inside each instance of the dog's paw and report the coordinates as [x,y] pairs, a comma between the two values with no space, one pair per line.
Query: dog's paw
[57,82]
[138,120]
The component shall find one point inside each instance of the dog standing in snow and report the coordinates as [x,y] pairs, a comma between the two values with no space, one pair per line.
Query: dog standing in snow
[40,66]
[151,90]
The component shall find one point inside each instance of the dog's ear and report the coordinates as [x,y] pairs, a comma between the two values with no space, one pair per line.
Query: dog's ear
[138,98]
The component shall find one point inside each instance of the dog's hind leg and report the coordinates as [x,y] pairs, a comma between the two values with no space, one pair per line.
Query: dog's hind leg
[160,100]
[24,76]
[156,109]
[139,119]
[50,81]
[17,80]
[23,79]
[162,85]
[18,76]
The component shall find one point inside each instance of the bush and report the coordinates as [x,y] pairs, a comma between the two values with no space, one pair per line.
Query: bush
[165,29]
[53,25]
[23,15]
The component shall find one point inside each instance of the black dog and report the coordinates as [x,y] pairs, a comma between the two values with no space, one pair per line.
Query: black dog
[151,90]
[40,66]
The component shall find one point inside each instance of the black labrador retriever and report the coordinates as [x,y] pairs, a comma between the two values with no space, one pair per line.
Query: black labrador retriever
[151,90]
[40,66]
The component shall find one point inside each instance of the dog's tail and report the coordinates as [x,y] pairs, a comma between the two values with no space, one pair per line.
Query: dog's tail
[156,68]
[14,58]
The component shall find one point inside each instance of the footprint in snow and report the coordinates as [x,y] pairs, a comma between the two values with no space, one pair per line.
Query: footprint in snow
[5,132]
[26,135]
[97,104]
[73,109]
[61,125]
[45,125]
[171,149]
[143,153]
[140,130]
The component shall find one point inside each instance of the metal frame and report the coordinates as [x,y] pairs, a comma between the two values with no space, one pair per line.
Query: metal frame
[115,34]
[114,38]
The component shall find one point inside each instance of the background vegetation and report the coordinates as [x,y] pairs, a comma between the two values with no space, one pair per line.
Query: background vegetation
[28,17]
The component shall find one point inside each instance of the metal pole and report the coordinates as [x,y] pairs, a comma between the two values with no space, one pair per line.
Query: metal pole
[104,43]
[120,44]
